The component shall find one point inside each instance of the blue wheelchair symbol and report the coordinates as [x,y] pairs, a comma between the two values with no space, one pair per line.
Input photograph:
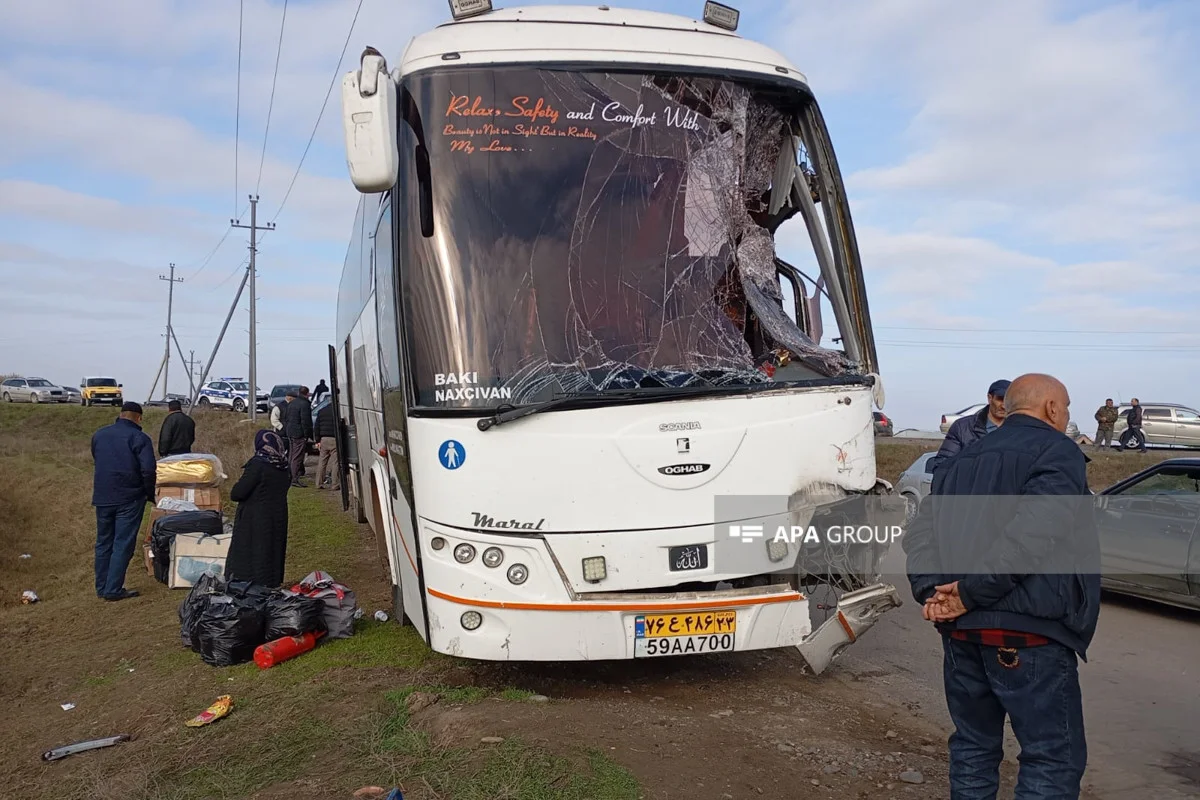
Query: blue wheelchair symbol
[452,454]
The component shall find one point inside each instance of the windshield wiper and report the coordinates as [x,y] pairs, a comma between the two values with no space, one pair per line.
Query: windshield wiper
[511,413]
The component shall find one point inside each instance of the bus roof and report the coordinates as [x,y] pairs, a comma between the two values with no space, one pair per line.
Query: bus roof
[583,34]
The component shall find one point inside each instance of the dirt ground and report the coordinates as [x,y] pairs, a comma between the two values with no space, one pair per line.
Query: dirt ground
[379,709]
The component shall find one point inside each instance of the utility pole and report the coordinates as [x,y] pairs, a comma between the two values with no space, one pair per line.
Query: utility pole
[171,281]
[254,228]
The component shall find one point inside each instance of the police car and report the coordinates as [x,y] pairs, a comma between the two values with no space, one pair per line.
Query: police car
[231,393]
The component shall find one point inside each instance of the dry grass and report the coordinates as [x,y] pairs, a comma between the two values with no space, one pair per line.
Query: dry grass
[1105,469]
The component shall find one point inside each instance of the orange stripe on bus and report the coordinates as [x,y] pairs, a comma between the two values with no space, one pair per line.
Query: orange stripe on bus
[400,536]
[585,605]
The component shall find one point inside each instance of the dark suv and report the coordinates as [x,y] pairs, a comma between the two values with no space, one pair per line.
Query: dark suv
[883,425]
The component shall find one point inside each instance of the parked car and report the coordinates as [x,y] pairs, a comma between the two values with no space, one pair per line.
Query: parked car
[31,390]
[1148,526]
[914,484]
[100,391]
[280,391]
[1148,523]
[883,425]
[949,419]
[1165,424]
[233,393]
[73,394]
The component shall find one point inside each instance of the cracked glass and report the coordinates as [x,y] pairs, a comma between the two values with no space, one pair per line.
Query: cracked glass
[594,232]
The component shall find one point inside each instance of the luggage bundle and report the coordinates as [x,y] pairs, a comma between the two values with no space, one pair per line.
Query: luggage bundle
[225,621]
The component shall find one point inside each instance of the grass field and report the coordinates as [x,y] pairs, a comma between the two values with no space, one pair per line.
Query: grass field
[321,725]
[375,709]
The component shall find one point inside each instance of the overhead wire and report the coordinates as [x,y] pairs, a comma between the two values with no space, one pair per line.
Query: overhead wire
[271,103]
[333,82]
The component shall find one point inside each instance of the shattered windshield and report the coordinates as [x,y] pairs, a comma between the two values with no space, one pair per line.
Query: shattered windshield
[594,232]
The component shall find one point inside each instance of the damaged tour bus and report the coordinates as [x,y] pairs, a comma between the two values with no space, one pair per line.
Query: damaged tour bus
[564,336]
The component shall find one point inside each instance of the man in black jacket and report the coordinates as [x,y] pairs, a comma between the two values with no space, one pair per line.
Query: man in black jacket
[326,435]
[178,432]
[1133,417]
[122,485]
[965,430]
[298,426]
[1004,558]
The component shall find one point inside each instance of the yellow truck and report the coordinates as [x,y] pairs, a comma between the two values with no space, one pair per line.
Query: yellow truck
[100,391]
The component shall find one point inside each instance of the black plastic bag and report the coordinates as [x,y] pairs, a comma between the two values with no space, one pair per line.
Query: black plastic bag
[251,594]
[165,529]
[228,631]
[202,591]
[291,614]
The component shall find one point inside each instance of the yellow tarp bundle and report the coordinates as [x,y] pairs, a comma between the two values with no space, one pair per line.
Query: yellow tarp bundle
[193,469]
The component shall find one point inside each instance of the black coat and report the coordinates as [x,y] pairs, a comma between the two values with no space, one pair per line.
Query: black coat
[297,419]
[260,526]
[177,435]
[326,423]
[1016,498]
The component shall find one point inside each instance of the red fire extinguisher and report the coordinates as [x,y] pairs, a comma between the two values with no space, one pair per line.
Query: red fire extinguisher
[276,652]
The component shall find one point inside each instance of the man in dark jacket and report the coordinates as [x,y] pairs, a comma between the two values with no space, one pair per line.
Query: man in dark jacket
[1133,417]
[1004,557]
[965,430]
[298,426]
[326,435]
[178,432]
[122,485]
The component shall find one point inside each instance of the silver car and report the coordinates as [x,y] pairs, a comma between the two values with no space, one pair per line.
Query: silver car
[31,390]
[1149,527]
[950,419]
[1165,424]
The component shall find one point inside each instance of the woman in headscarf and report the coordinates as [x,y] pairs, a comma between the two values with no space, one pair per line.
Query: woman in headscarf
[259,544]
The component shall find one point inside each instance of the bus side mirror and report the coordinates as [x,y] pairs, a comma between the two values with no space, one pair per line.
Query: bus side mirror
[369,121]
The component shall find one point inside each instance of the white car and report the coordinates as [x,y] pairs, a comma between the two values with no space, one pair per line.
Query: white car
[949,419]
[233,393]
[31,390]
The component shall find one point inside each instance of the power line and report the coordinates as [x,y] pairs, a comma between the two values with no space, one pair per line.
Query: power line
[1031,330]
[271,103]
[1100,347]
[237,120]
[229,277]
[336,71]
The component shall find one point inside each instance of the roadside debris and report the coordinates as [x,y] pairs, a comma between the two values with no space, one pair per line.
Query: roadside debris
[220,708]
[911,776]
[67,706]
[491,740]
[378,793]
[381,616]
[81,747]
[26,555]
[28,598]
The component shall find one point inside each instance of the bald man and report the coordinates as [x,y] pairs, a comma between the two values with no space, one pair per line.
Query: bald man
[1004,559]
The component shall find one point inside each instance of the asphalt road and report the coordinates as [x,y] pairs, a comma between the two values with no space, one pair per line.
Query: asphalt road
[1141,689]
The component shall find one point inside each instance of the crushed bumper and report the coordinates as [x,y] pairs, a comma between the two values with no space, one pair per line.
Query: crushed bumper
[856,612]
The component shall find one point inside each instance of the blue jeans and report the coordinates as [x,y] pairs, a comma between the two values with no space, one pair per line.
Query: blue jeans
[116,536]
[1040,695]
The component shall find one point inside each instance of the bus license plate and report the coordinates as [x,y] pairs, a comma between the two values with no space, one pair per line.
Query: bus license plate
[682,634]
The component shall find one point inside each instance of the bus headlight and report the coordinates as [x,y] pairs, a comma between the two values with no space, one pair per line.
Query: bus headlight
[594,569]
[471,620]
[518,574]
[464,553]
[493,557]
[777,551]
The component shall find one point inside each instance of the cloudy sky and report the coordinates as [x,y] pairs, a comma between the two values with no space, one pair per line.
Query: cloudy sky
[1022,174]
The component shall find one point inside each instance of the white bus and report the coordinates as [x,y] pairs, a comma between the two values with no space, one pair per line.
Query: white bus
[565,339]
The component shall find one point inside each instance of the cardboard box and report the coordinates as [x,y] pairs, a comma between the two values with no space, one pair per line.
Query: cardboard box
[193,554]
[148,555]
[205,498]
